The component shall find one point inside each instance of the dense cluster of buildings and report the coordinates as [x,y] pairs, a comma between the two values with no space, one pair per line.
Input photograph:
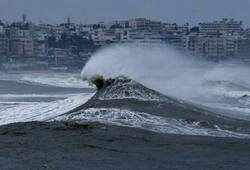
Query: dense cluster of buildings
[218,39]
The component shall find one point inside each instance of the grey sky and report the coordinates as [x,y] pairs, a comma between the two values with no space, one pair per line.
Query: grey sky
[90,11]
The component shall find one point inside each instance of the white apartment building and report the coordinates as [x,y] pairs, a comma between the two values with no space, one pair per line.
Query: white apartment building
[102,37]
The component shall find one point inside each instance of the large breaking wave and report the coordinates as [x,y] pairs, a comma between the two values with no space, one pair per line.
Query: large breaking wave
[224,85]
[125,102]
[160,90]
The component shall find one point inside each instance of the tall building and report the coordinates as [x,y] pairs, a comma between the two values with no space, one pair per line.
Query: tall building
[40,44]
[191,44]
[4,41]
[4,44]
[21,42]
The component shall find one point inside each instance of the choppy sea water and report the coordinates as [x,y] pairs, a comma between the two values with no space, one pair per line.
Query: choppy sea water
[27,96]
[45,96]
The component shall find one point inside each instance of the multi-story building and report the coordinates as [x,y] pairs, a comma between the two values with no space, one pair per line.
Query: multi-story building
[175,29]
[45,28]
[24,47]
[4,44]
[142,24]
[243,47]
[225,25]
[191,43]
[118,24]
[4,41]
[173,40]
[40,44]
[84,31]
[221,46]
[102,37]
[212,47]
[145,37]
[21,42]
[125,36]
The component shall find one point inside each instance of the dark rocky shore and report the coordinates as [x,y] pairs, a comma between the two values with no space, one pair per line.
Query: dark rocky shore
[56,145]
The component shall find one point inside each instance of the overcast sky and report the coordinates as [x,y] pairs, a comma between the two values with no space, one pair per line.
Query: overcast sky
[91,11]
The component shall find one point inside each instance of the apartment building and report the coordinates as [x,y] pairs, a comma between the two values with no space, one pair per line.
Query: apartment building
[4,41]
[212,47]
[175,28]
[191,43]
[145,24]
[225,25]
[40,43]
[102,37]
[21,42]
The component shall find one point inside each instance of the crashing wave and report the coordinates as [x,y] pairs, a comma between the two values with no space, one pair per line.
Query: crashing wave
[124,88]
[124,102]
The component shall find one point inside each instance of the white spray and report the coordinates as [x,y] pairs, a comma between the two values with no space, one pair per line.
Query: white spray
[163,69]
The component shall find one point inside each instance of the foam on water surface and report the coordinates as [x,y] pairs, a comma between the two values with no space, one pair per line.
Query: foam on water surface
[147,121]
[40,111]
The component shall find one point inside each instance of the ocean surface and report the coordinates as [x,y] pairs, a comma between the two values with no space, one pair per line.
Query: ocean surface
[48,96]
[27,96]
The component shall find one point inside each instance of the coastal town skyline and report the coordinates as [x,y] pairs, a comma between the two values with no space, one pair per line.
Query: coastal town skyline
[29,19]
[71,44]
[55,12]
[17,35]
